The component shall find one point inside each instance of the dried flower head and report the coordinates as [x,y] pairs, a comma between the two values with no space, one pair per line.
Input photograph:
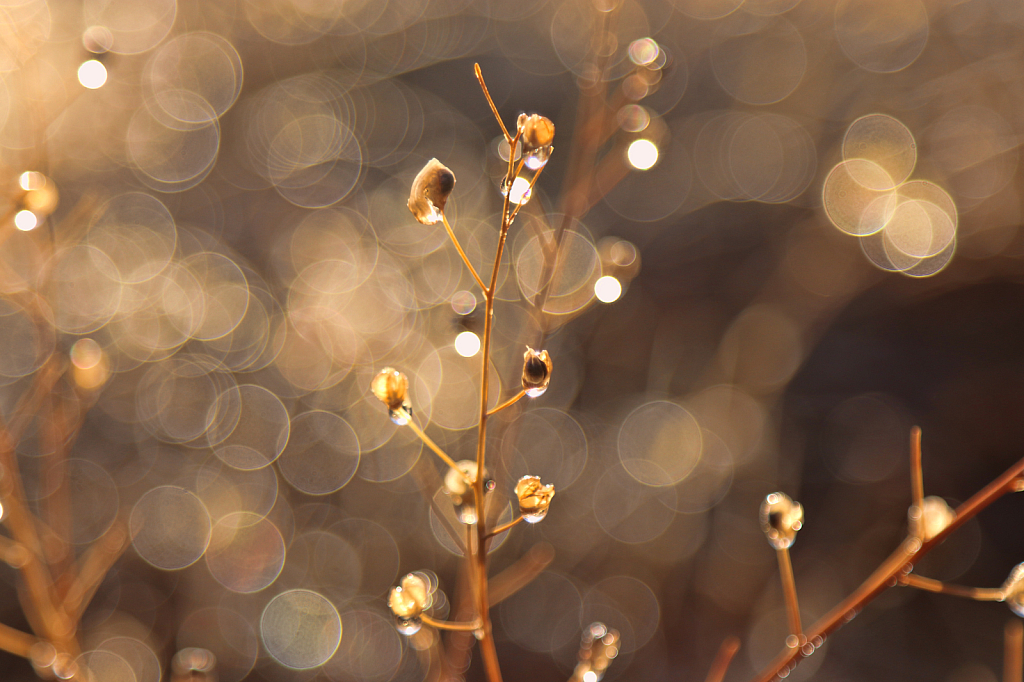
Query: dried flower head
[781,518]
[430,191]
[536,131]
[461,492]
[536,134]
[928,522]
[534,498]
[391,387]
[1013,590]
[410,598]
[536,372]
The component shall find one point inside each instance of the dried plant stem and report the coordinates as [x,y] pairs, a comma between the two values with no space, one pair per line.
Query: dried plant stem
[916,480]
[94,567]
[465,258]
[522,572]
[533,181]
[789,590]
[433,446]
[1013,651]
[502,528]
[448,625]
[494,109]
[722,659]
[508,403]
[15,641]
[479,550]
[932,585]
[899,563]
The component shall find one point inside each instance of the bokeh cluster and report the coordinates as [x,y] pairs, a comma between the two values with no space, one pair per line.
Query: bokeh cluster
[795,235]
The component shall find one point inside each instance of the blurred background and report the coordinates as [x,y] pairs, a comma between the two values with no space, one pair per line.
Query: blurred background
[789,231]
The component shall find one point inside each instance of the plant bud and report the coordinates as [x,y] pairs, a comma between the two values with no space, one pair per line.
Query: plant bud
[1013,590]
[534,498]
[461,492]
[392,388]
[414,586]
[536,372]
[536,131]
[932,520]
[781,518]
[430,191]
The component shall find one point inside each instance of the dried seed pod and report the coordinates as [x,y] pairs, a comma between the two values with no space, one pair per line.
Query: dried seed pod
[928,522]
[534,498]
[391,387]
[536,372]
[461,492]
[430,191]
[1013,590]
[536,131]
[781,518]
[410,598]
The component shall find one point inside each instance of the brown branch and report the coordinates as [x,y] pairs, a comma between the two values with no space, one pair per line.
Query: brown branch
[917,481]
[938,587]
[15,641]
[522,572]
[95,565]
[1013,651]
[900,562]
[789,590]
[722,660]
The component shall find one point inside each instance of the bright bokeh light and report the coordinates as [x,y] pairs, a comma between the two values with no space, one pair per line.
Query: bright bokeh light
[467,344]
[590,676]
[30,180]
[520,193]
[607,289]
[642,154]
[25,220]
[92,74]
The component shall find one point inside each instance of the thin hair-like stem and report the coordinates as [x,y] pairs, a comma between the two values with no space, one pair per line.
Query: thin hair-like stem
[508,403]
[939,587]
[465,258]
[494,109]
[98,560]
[502,528]
[15,641]
[722,659]
[522,572]
[1013,651]
[917,478]
[533,181]
[433,446]
[448,625]
[789,590]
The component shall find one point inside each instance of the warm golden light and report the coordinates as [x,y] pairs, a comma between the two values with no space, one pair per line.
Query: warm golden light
[642,154]
[92,74]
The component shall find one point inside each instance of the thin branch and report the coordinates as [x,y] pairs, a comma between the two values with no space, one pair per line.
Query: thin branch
[465,258]
[522,572]
[533,181]
[508,403]
[433,446]
[898,563]
[1013,651]
[448,625]
[789,590]
[494,109]
[917,480]
[95,565]
[15,641]
[932,585]
[502,528]
[722,660]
